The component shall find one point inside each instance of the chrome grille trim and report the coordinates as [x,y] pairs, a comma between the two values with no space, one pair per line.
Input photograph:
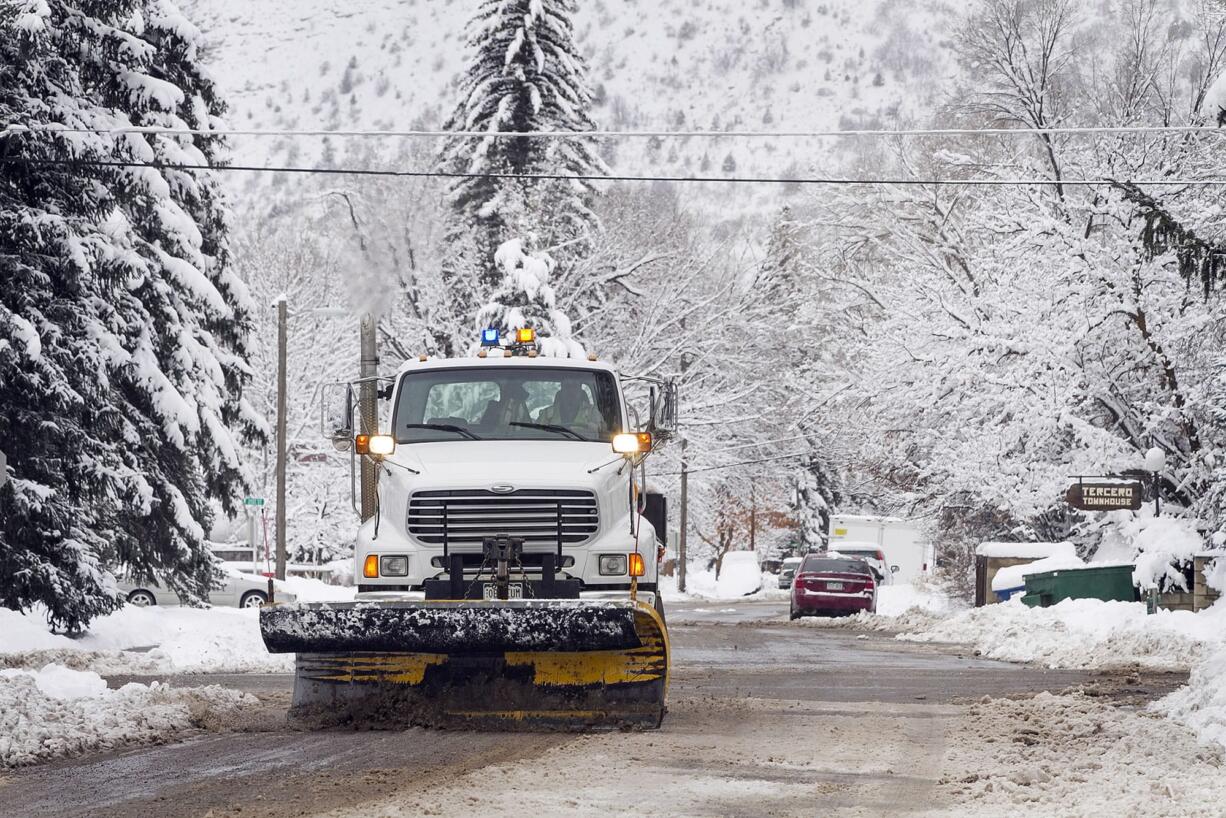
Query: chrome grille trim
[465,517]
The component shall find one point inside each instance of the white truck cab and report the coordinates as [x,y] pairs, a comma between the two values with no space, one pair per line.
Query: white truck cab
[511,445]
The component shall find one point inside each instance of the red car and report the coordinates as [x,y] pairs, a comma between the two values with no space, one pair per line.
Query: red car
[833,585]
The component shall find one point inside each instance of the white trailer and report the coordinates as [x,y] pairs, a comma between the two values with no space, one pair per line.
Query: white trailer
[902,541]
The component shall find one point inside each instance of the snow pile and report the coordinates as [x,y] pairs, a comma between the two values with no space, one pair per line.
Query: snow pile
[1201,704]
[1080,633]
[59,682]
[703,585]
[180,640]
[56,711]
[314,590]
[895,600]
[740,575]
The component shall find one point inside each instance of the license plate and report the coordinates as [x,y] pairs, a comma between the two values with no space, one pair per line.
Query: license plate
[515,590]
[834,586]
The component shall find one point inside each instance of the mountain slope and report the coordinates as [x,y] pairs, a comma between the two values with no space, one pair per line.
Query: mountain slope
[704,64]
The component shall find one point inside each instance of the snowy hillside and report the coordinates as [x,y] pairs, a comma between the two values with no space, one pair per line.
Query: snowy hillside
[708,64]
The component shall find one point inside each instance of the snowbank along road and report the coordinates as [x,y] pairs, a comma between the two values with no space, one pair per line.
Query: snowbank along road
[766,717]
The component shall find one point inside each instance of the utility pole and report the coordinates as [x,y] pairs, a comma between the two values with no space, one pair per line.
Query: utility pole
[368,410]
[685,513]
[753,517]
[682,555]
[282,321]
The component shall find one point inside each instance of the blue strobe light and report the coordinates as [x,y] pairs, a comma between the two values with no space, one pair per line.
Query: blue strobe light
[489,337]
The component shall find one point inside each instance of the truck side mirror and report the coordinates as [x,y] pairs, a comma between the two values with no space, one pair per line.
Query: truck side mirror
[664,409]
[336,420]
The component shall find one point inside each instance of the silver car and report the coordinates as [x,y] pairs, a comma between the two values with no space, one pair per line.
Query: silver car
[787,571]
[238,590]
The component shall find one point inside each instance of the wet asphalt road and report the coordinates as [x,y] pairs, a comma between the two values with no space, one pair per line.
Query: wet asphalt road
[723,655]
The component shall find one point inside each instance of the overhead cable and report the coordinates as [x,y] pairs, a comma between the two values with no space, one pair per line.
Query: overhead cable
[594,177]
[791,456]
[1106,130]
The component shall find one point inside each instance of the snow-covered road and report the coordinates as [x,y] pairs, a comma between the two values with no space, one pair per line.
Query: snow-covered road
[766,717]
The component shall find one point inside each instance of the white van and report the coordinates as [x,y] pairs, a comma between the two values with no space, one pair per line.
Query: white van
[901,541]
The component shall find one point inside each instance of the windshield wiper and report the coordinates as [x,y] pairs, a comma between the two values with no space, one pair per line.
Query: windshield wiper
[442,427]
[550,427]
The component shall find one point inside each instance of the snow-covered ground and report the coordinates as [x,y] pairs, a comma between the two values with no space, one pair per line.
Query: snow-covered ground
[54,702]
[1076,755]
[1081,633]
[158,640]
[56,711]
[1077,633]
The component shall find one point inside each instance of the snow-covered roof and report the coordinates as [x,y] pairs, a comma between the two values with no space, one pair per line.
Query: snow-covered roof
[1025,550]
[1014,576]
[866,518]
[415,365]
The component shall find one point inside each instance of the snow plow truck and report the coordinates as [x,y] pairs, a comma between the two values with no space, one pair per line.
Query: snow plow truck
[507,562]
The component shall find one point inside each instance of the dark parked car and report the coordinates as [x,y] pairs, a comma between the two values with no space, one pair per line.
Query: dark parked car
[833,585]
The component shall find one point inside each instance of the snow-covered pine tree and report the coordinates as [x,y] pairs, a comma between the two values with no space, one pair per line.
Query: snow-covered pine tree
[816,494]
[525,74]
[525,298]
[781,282]
[123,331]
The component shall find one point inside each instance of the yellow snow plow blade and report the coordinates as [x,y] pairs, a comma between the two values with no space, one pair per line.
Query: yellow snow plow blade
[527,665]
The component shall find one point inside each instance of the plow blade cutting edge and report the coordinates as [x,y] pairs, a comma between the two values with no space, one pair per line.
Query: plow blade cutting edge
[527,665]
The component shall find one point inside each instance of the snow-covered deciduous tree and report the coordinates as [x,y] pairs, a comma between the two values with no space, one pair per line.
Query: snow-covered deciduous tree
[1017,335]
[123,354]
[526,74]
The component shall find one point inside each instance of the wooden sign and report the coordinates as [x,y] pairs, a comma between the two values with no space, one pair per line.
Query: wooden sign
[1101,496]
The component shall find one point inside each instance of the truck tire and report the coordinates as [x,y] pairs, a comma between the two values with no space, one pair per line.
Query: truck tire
[660,607]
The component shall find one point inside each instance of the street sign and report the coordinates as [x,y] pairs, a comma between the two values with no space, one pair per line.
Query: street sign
[1104,496]
[253,501]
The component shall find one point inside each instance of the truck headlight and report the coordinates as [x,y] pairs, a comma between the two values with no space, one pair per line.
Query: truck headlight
[612,565]
[394,567]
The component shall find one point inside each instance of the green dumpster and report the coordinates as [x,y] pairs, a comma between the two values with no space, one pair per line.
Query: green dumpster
[1108,583]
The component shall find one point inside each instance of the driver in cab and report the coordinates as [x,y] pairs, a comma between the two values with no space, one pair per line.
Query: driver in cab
[573,409]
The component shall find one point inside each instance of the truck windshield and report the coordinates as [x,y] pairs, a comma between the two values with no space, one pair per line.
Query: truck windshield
[528,403]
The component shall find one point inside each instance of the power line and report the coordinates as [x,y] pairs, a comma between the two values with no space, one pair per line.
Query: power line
[694,134]
[741,463]
[592,177]
[763,443]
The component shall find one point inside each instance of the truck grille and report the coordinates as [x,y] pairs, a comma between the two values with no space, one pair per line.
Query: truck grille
[465,517]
